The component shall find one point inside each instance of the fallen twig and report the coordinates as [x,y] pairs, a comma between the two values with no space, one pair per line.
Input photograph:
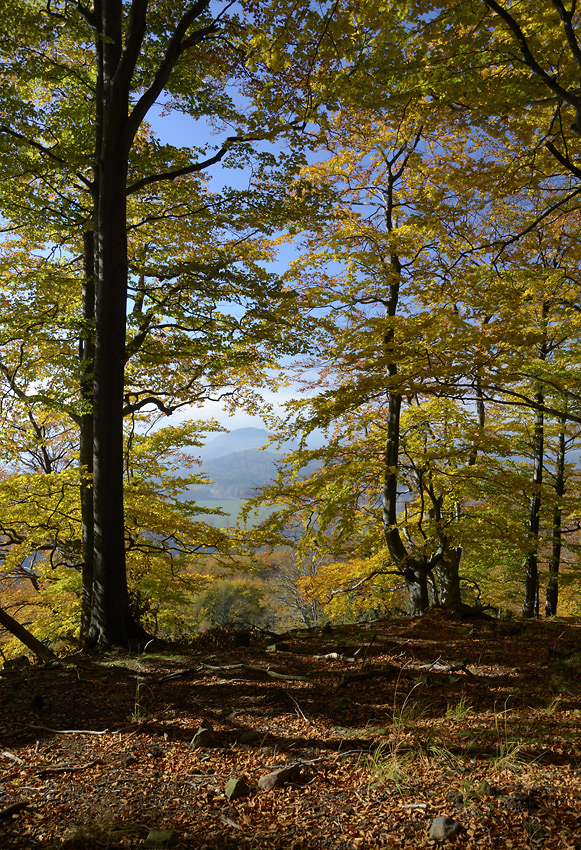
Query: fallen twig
[461,667]
[7,754]
[299,710]
[67,768]
[367,648]
[169,677]
[67,731]
[272,673]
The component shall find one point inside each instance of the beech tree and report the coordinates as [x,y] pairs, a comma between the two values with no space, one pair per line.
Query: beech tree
[141,52]
[464,335]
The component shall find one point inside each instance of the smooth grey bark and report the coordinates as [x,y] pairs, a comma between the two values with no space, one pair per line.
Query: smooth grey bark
[416,582]
[448,574]
[552,592]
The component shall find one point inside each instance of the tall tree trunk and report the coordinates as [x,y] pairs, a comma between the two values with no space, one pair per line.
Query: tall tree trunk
[552,594]
[414,571]
[531,599]
[111,618]
[87,354]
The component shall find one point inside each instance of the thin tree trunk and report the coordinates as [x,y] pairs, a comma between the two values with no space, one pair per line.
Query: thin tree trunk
[24,636]
[552,594]
[415,571]
[531,599]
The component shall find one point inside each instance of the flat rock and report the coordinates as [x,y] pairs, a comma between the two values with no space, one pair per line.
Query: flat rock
[279,777]
[443,828]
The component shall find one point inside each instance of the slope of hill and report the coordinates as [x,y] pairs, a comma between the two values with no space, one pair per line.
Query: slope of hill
[377,755]
[237,474]
[229,442]
[236,468]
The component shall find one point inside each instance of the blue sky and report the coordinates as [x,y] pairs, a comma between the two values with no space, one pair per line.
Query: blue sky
[178,129]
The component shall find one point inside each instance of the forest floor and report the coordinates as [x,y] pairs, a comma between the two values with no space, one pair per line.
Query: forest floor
[388,725]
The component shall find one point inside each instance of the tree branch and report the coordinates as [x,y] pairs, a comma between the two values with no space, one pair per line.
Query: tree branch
[532,63]
[178,172]
[83,11]
[566,18]
[133,42]
[565,162]
[173,51]
[43,149]
[195,167]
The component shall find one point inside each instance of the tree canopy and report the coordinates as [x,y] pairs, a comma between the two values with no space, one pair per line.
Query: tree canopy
[421,161]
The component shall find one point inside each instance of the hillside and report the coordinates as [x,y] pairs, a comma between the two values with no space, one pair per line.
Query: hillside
[237,464]
[382,728]
[237,474]
[229,442]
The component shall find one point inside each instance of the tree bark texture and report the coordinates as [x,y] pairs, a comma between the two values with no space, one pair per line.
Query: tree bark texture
[448,574]
[531,596]
[414,570]
[111,620]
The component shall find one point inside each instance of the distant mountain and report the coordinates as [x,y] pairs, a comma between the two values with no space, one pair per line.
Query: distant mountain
[239,440]
[236,466]
[237,474]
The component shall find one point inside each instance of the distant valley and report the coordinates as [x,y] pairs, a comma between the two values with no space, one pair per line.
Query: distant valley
[235,465]
[238,466]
